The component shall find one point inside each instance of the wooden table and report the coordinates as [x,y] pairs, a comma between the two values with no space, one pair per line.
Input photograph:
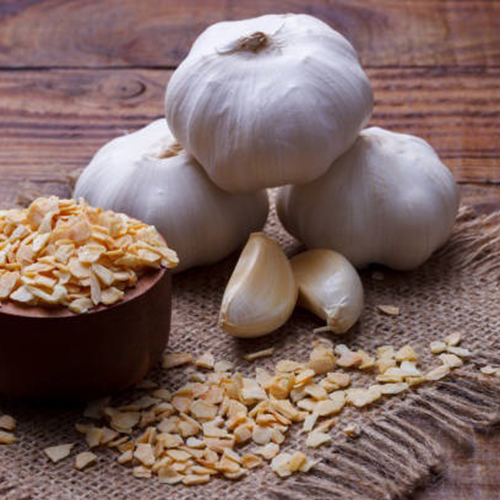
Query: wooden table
[75,73]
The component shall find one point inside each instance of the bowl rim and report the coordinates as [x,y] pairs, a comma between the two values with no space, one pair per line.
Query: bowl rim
[145,282]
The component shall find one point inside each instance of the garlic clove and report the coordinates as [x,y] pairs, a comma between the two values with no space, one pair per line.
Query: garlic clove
[261,293]
[330,287]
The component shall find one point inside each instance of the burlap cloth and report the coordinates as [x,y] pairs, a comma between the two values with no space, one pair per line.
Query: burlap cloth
[398,449]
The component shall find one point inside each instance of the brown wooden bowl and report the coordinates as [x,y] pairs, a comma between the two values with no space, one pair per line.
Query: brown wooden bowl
[54,353]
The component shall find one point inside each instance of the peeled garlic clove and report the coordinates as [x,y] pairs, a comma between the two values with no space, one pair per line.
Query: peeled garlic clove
[261,293]
[330,287]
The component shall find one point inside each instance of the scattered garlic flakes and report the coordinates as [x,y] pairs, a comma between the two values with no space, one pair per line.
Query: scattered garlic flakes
[85,459]
[59,452]
[459,351]
[453,339]
[437,347]
[193,479]
[144,454]
[268,451]
[360,397]
[368,362]
[438,373]
[174,360]
[316,439]
[7,438]
[7,422]
[388,310]
[297,461]
[280,465]
[393,374]
[194,433]
[350,359]
[352,430]
[490,370]
[451,360]
[409,369]
[406,353]
[264,353]
[250,461]
[206,360]
[310,422]
[126,457]
[286,366]
[393,388]
[223,366]
[141,472]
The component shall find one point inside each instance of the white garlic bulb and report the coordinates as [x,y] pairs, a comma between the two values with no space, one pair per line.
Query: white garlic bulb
[268,101]
[388,200]
[330,287]
[261,293]
[148,176]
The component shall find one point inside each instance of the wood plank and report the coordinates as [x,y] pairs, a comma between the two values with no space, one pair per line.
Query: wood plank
[59,118]
[469,475]
[456,110]
[72,33]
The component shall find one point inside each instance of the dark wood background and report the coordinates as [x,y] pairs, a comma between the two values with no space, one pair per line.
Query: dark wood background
[75,73]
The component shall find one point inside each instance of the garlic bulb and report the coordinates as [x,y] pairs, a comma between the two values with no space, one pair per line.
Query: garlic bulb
[330,287]
[268,101]
[388,200]
[148,176]
[261,293]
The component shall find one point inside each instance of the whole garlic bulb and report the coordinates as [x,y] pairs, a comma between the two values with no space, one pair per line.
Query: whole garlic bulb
[388,200]
[148,176]
[268,101]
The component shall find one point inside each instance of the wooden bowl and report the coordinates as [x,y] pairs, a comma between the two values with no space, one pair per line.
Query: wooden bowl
[54,353]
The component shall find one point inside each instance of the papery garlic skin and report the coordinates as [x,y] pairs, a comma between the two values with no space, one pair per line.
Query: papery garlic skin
[268,101]
[388,200]
[330,287]
[261,293]
[147,175]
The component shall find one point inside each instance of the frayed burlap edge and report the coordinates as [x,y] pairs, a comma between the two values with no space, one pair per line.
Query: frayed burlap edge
[401,448]
[401,451]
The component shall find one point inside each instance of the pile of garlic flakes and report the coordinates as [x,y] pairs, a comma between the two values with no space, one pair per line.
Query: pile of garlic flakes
[220,423]
[63,252]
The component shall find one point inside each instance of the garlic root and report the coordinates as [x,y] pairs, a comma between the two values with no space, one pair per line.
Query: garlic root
[330,287]
[261,293]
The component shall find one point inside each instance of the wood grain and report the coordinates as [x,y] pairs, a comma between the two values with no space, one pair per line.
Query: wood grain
[55,120]
[470,474]
[85,33]
[78,72]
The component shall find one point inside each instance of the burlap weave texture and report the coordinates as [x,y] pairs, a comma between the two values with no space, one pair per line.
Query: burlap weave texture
[456,290]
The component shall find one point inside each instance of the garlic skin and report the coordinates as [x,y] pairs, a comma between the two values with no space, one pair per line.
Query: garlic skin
[147,175]
[388,200]
[268,101]
[261,293]
[329,287]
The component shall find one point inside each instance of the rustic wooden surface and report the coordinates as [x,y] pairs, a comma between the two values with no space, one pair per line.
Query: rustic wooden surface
[75,73]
